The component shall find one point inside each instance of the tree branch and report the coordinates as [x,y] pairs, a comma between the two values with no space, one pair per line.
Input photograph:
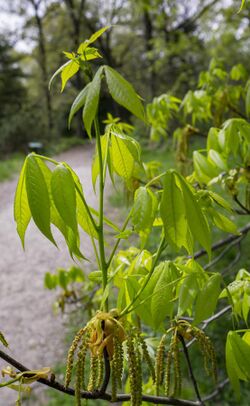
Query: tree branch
[221,243]
[158,400]
[191,373]
[218,389]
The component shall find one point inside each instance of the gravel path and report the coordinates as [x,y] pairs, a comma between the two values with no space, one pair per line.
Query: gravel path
[35,335]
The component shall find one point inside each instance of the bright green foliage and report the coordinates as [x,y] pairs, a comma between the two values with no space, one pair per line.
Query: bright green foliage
[144,210]
[238,359]
[38,196]
[123,92]
[184,222]
[91,102]
[150,290]
[22,213]
[238,293]
[64,195]
[207,298]
[159,113]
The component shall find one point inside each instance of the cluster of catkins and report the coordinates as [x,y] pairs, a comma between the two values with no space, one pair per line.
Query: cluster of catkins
[105,336]
[167,363]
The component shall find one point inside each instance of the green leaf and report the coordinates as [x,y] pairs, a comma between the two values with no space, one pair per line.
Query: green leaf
[173,212]
[22,214]
[207,298]
[142,209]
[123,93]
[241,350]
[188,291]
[92,100]
[204,169]
[95,276]
[78,103]
[247,102]
[59,70]
[97,34]
[38,197]
[220,201]
[121,157]
[50,281]
[62,278]
[64,195]
[196,219]
[82,47]
[68,71]
[105,140]
[224,223]
[162,304]
[215,158]
[232,367]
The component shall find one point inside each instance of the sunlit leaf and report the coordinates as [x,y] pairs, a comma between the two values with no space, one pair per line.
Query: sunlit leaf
[22,212]
[123,92]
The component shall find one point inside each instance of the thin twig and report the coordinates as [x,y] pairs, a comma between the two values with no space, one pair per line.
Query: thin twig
[223,252]
[221,243]
[191,373]
[218,389]
[245,209]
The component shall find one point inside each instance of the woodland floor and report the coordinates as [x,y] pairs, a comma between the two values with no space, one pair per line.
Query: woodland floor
[35,334]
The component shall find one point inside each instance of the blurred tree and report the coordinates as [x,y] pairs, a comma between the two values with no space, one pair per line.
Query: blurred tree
[12,96]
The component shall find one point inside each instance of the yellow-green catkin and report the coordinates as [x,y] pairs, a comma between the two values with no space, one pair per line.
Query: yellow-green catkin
[117,366]
[208,352]
[93,372]
[159,364]
[71,354]
[177,369]
[168,369]
[138,377]
[146,356]
[80,370]
[132,369]
[100,370]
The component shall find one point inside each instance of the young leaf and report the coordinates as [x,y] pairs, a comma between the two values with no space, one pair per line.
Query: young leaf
[92,100]
[207,298]
[82,47]
[233,370]
[59,70]
[188,291]
[38,196]
[173,212]
[196,219]
[162,296]
[248,99]
[64,195]
[97,34]
[241,350]
[123,93]
[142,209]
[22,214]
[68,71]
[78,103]
[121,157]
[223,222]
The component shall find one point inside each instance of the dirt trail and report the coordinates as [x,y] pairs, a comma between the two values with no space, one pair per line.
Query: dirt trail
[35,335]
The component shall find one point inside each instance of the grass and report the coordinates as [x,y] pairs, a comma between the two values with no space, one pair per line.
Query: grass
[11,165]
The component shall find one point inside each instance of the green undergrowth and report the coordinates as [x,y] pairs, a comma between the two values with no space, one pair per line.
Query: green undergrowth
[11,165]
